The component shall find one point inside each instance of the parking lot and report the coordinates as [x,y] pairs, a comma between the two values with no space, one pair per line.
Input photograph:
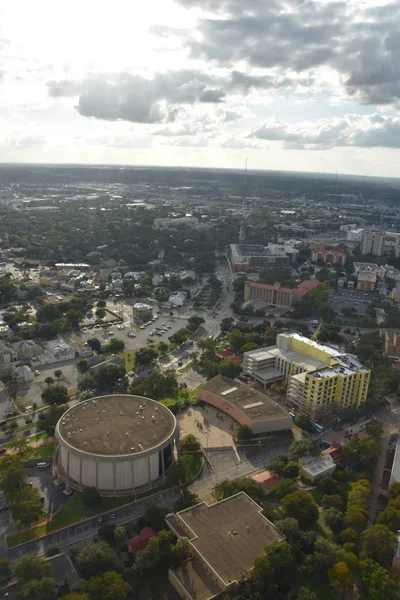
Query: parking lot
[43,480]
[350,299]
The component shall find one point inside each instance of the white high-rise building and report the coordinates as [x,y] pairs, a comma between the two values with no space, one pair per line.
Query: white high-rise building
[372,242]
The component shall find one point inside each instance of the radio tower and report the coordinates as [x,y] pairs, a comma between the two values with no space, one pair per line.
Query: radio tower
[242,230]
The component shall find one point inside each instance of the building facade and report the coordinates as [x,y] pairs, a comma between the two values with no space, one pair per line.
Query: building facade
[276,294]
[329,257]
[372,242]
[246,257]
[321,379]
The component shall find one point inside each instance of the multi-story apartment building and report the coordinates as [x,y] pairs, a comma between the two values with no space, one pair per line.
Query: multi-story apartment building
[247,257]
[321,379]
[372,242]
[276,294]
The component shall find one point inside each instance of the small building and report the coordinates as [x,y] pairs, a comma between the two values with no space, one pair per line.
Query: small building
[392,342]
[65,573]
[315,468]
[225,539]
[395,473]
[334,451]
[57,350]
[395,294]
[27,349]
[178,299]
[139,542]
[366,281]
[8,354]
[268,479]
[142,312]
[23,373]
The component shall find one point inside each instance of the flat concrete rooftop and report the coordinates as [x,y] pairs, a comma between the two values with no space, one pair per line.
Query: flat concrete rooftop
[228,535]
[252,403]
[116,425]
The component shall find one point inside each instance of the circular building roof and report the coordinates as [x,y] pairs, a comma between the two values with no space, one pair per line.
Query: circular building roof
[116,425]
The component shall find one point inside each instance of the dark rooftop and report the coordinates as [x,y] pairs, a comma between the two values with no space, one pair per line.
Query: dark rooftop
[254,404]
[116,425]
[229,535]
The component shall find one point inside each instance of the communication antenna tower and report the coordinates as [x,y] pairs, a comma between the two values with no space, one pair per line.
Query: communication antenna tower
[242,230]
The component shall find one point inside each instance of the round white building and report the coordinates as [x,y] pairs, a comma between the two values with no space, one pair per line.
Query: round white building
[118,444]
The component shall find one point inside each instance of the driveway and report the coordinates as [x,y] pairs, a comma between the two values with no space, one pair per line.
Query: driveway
[43,481]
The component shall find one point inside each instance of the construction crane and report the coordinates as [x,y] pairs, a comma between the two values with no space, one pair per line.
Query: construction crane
[282,387]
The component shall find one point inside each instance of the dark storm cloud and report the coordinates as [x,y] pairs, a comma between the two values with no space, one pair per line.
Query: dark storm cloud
[353,130]
[134,98]
[362,44]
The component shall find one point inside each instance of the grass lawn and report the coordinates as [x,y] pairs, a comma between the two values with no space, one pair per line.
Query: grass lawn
[186,367]
[44,451]
[128,356]
[192,464]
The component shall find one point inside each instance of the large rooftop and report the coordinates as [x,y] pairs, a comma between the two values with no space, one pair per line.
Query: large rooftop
[116,425]
[254,404]
[228,544]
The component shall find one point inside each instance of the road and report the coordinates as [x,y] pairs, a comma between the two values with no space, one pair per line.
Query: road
[86,530]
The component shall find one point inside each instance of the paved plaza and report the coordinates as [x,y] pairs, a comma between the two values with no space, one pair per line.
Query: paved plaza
[212,428]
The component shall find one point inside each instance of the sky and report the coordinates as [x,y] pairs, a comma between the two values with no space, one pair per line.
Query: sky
[296,85]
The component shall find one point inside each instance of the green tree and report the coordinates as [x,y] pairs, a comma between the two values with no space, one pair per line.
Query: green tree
[115,345]
[244,432]
[19,444]
[120,535]
[333,501]
[374,428]
[291,470]
[229,368]
[340,577]
[304,447]
[394,490]
[278,463]
[57,394]
[5,569]
[252,488]
[82,365]
[90,497]
[31,567]
[101,304]
[379,585]
[162,348]
[49,381]
[290,529]
[248,347]
[39,589]
[50,418]
[279,555]
[12,474]
[107,586]
[236,339]
[304,422]
[57,374]
[189,443]
[94,344]
[145,356]
[362,453]
[96,558]
[284,488]
[301,506]
[333,518]
[378,543]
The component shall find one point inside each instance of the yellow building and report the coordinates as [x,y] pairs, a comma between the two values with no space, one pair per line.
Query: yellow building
[321,378]
[342,383]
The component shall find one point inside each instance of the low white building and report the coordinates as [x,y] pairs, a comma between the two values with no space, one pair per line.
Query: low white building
[23,373]
[315,468]
[178,299]
[56,351]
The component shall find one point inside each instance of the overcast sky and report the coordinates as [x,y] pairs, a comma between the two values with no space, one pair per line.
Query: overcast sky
[290,84]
